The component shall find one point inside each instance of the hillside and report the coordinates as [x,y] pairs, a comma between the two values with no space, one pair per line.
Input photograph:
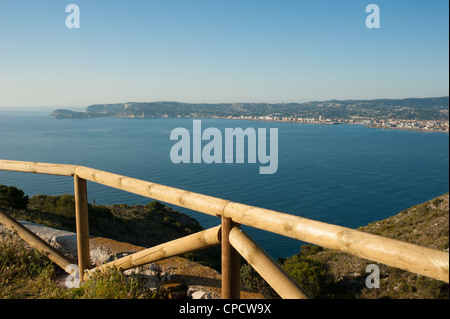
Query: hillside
[138,225]
[339,275]
[405,109]
[25,273]
[323,273]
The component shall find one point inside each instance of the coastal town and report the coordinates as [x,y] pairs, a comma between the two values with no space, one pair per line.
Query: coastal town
[422,114]
[409,114]
[419,125]
[441,126]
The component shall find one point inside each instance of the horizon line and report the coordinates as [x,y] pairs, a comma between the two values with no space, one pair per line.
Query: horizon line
[261,102]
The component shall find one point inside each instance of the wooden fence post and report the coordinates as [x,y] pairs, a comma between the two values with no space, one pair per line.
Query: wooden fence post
[268,268]
[82,224]
[231,263]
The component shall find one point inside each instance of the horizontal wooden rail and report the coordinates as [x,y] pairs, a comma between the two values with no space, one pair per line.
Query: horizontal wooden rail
[194,201]
[200,240]
[35,241]
[424,261]
[268,268]
[414,258]
[38,168]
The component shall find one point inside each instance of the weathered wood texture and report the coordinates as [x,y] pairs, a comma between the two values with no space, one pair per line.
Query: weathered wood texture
[200,240]
[82,225]
[34,240]
[268,268]
[231,281]
[38,168]
[417,259]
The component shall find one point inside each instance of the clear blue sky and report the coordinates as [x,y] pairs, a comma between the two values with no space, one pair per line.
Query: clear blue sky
[221,51]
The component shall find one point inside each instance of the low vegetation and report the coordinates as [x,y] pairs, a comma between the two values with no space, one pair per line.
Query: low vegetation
[27,274]
[12,197]
[326,273]
[140,225]
[323,273]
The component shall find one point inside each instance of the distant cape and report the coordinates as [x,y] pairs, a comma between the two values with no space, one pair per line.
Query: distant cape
[435,108]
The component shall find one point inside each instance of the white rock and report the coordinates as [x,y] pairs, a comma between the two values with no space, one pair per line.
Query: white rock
[98,255]
[198,295]
[190,292]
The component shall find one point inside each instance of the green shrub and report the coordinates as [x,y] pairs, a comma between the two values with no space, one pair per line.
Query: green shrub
[96,212]
[111,284]
[24,272]
[65,206]
[171,222]
[310,275]
[155,206]
[19,261]
[252,280]
[44,203]
[12,197]
[168,221]
[309,250]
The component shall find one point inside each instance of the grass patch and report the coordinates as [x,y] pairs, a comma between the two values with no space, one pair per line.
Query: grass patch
[27,274]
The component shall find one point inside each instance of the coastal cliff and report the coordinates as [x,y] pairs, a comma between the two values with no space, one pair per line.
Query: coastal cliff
[340,275]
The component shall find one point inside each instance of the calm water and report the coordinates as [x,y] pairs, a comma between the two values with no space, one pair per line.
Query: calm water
[347,175]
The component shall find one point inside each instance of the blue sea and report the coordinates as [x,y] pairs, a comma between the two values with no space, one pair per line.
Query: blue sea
[348,175]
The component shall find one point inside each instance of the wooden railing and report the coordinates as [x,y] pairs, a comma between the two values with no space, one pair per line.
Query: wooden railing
[234,242]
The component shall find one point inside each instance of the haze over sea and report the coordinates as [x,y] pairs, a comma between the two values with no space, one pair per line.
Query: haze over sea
[347,175]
